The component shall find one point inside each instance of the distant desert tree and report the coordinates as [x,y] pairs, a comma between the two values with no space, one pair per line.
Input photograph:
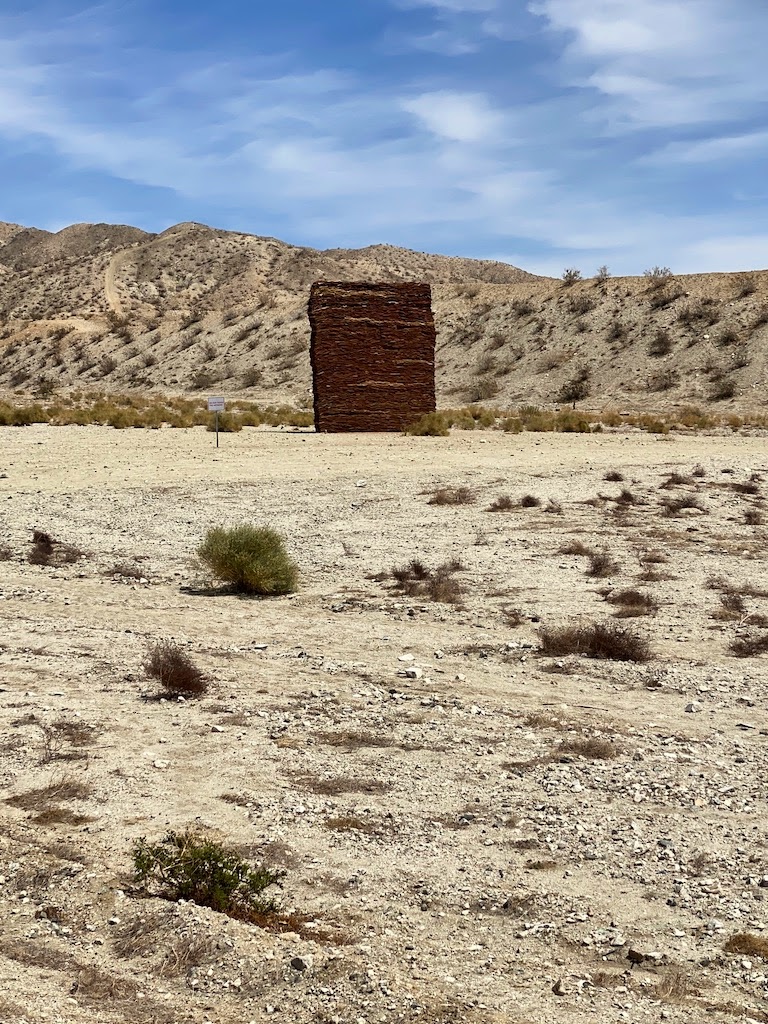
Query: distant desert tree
[602,275]
[571,275]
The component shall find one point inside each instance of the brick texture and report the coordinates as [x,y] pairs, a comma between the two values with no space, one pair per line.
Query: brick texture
[372,353]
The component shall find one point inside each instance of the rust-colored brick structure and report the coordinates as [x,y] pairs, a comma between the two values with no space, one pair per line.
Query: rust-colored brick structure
[373,354]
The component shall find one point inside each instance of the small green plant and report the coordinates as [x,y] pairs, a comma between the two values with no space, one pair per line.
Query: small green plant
[173,668]
[252,559]
[190,866]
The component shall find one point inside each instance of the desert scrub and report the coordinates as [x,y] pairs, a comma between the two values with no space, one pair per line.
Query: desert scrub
[607,641]
[190,866]
[431,424]
[251,559]
[173,668]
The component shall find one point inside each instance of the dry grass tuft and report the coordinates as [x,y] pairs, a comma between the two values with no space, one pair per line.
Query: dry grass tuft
[602,564]
[632,603]
[575,547]
[614,476]
[675,987]
[592,748]
[607,641]
[65,788]
[749,646]
[745,589]
[673,506]
[353,740]
[452,496]
[337,785]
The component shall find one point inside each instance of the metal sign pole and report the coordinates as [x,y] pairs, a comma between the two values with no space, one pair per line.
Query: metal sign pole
[216,405]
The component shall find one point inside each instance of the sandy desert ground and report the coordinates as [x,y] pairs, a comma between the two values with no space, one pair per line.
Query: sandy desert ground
[475,832]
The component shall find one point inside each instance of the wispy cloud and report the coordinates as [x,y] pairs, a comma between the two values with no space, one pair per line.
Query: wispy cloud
[660,63]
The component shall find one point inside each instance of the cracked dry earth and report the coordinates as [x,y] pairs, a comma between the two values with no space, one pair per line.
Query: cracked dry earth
[474,831]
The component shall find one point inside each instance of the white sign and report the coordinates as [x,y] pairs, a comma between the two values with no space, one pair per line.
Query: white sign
[215,405]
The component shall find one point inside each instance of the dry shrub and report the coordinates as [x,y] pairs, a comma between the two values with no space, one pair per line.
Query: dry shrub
[727,587]
[732,607]
[675,986]
[173,668]
[529,501]
[65,788]
[676,480]
[672,506]
[452,496]
[128,570]
[602,564]
[502,504]
[47,551]
[417,580]
[753,517]
[613,476]
[337,785]
[652,557]
[607,641]
[750,487]
[575,547]
[55,735]
[95,986]
[352,823]
[60,816]
[747,944]
[749,646]
[593,748]
[632,603]
[355,740]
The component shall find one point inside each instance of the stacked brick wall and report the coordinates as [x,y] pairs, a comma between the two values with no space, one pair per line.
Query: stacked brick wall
[372,353]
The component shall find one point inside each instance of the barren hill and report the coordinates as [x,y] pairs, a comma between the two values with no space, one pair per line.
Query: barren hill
[196,308]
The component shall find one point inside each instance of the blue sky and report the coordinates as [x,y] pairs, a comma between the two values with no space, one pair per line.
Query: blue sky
[546,133]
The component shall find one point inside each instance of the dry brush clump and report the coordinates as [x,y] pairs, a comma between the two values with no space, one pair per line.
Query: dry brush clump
[417,580]
[632,603]
[602,564]
[607,641]
[45,550]
[174,670]
[452,496]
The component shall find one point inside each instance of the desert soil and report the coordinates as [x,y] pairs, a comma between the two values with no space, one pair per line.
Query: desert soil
[476,832]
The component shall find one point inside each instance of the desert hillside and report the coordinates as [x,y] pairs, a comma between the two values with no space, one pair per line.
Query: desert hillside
[194,309]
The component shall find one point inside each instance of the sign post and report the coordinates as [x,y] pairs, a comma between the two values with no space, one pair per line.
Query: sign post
[216,405]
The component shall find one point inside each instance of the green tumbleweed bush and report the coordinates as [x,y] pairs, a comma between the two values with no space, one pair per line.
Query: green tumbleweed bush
[190,866]
[252,559]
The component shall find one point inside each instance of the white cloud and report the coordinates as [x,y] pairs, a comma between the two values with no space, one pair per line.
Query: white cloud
[663,63]
[462,117]
[710,151]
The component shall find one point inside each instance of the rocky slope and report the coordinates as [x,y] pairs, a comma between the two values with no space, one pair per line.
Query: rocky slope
[194,309]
